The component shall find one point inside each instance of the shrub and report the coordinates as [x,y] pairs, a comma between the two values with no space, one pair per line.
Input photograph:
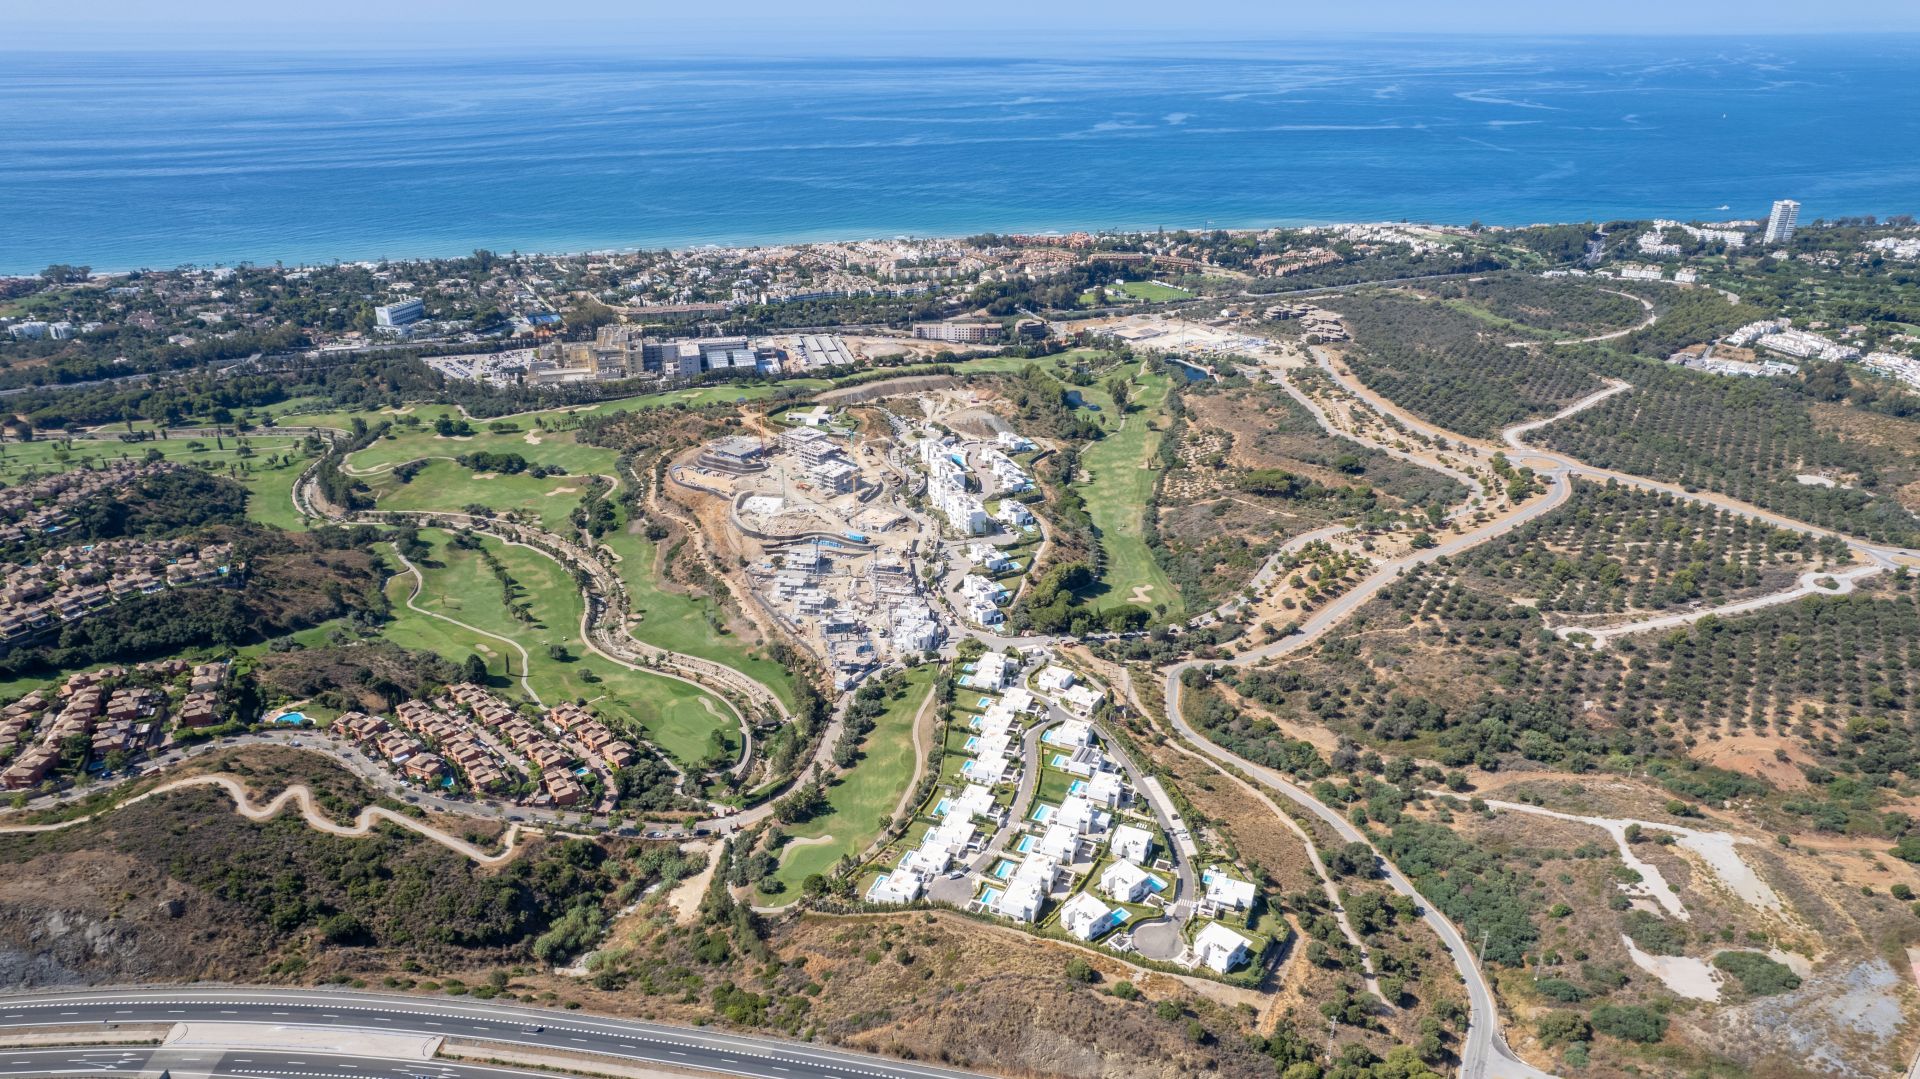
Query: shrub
[1557,1028]
[1653,934]
[1630,1022]
[1759,975]
[1561,990]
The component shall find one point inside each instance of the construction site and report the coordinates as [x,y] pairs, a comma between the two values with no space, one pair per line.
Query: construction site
[830,549]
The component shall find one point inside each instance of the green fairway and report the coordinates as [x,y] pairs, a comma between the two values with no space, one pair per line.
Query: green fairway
[449,488]
[1122,468]
[862,797]
[679,718]
[679,622]
[670,620]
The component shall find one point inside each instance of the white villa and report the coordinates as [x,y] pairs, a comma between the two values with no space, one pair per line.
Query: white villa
[1124,882]
[991,671]
[1053,679]
[1014,515]
[1081,815]
[1085,916]
[1081,700]
[1220,949]
[1027,889]
[1132,844]
[1219,893]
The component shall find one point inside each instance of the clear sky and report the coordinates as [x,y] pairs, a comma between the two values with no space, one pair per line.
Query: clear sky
[874,26]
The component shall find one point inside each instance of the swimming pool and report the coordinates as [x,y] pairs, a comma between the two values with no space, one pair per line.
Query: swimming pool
[989,896]
[1060,761]
[294,718]
[1043,813]
[940,808]
[1025,844]
[973,740]
[1076,786]
[1004,869]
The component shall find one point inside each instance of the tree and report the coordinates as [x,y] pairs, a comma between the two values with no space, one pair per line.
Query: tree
[61,273]
[474,669]
[1120,390]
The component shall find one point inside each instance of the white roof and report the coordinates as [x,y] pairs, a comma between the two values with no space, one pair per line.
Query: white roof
[1122,879]
[1132,843]
[1084,915]
[1229,891]
[1074,732]
[1058,843]
[1219,948]
[1080,814]
[1021,900]
[1054,678]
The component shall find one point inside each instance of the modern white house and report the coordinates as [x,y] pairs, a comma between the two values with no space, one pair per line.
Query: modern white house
[1013,514]
[1081,815]
[1085,916]
[989,558]
[1220,893]
[1060,843]
[1026,891]
[982,589]
[1105,789]
[1072,734]
[1081,700]
[1019,700]
[1220,949]
[1053,679]
[1133,844]
[1124,882]
[991,671]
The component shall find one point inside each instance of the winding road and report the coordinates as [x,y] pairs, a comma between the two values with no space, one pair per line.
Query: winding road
[299,795]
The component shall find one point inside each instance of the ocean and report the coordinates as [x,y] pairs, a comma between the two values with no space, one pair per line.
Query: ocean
[122,161]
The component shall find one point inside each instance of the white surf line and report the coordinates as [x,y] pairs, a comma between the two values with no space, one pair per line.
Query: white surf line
[302,796]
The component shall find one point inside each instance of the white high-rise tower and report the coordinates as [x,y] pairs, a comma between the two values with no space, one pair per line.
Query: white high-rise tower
[1781,223]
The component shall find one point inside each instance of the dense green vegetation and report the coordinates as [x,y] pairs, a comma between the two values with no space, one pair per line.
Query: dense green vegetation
[1744,437]
[1758,975]
[1445,366]
[283,582]
[1556,305]
[1615,548]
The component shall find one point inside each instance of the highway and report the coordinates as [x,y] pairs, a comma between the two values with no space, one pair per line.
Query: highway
[241,1064]
[513,1026]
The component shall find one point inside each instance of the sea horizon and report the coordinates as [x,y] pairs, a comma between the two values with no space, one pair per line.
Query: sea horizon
[124,161]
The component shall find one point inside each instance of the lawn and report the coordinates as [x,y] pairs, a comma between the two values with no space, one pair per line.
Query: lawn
[1122,468]
[680,622]
[670,620]
[862,797]
[447,487]
[1145,291]
[269,470]
[679,718]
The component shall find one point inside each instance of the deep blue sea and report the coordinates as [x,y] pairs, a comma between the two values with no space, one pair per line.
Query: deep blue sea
[122,161]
